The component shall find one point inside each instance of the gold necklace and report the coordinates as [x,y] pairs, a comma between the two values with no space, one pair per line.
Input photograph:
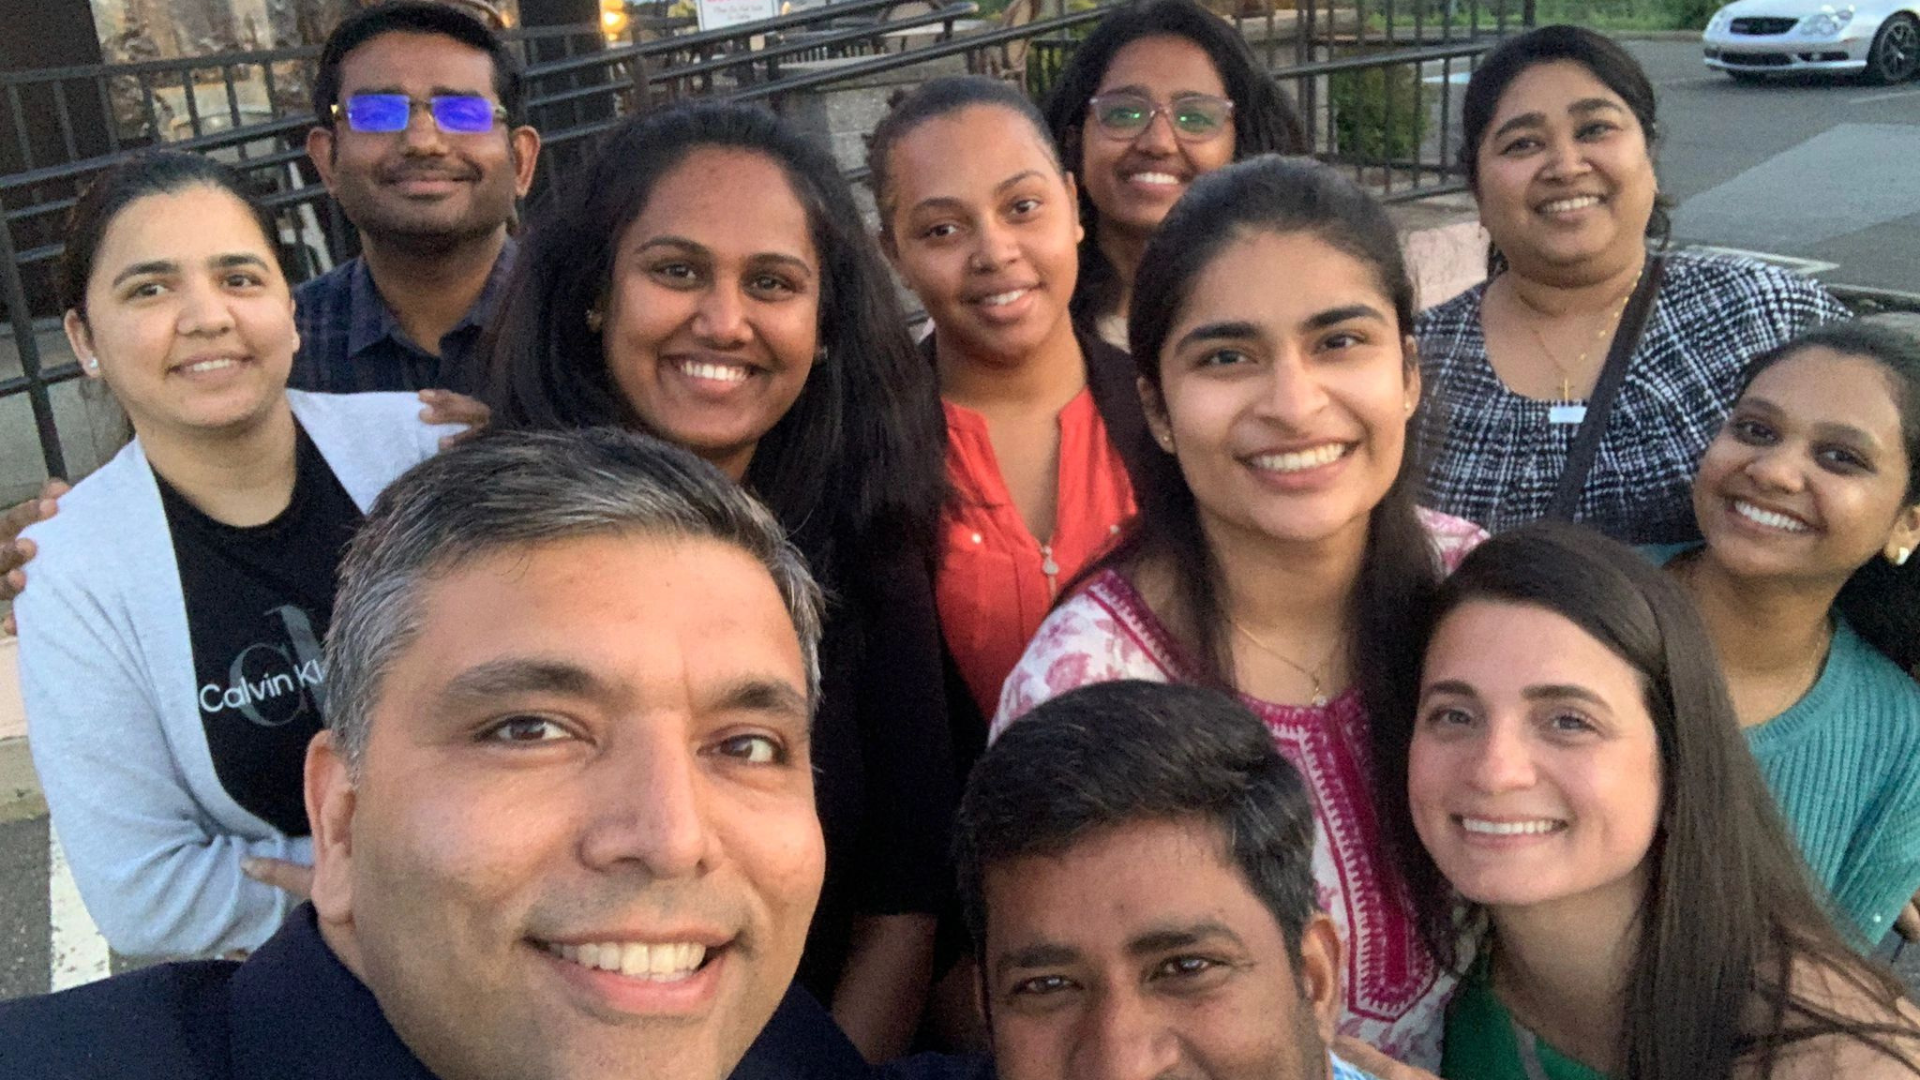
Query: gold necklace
[1319,695]
[1606,330]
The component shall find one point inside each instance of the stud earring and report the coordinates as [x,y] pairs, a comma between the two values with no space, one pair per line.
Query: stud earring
[1901,555]
[594,320]
[92,363]
[1165,439]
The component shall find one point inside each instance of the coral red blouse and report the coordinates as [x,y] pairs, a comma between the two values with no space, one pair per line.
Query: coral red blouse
[997,581]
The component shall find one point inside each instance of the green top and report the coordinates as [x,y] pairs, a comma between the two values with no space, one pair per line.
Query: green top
[1482,1042]
[1843,764]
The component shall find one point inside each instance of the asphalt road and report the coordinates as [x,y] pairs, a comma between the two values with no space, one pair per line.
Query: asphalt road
[25,941]
[1823,169]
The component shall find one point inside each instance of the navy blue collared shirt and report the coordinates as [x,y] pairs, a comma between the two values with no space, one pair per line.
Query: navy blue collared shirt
[351,342]
[294,1012]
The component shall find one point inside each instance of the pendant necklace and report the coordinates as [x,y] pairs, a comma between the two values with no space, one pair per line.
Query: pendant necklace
[1606,330]
[1319,694]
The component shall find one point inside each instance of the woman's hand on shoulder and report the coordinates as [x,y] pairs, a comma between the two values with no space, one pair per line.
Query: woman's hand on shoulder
[291,877]
[447,407]
[16,552]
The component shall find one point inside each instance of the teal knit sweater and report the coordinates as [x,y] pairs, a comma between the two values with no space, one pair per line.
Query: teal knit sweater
[1844,765]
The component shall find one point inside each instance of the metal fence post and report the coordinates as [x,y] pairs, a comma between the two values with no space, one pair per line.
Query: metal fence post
[28,345]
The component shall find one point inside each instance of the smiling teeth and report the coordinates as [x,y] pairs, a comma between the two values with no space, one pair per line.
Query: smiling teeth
[665,962]
[1154,178]
[1767,517]
[1300,460]
[1562,206]
[716,372]
[211,365]
[1510,828]
[1003,299]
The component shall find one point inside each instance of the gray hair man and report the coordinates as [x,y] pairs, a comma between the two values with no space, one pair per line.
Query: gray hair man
[563,822]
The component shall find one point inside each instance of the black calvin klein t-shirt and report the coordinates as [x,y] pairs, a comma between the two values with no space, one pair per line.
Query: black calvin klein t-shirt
[258,603]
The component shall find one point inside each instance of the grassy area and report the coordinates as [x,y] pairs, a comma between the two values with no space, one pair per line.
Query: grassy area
[1628,14]
[1604,15]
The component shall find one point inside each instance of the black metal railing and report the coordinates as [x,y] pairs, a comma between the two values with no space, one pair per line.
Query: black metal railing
[1376,81]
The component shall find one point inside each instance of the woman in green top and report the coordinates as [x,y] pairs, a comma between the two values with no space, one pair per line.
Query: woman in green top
[1810,505]
[1575,773]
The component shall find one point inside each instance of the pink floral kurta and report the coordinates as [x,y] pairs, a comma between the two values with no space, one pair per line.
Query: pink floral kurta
[1395,993]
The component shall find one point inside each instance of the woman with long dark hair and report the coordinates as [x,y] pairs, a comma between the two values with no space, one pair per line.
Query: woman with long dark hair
[1161,93]
[1574,772]
[706,279]
[1558,131]
[170,645]
[1278,550]
[1809,499]
[980,220]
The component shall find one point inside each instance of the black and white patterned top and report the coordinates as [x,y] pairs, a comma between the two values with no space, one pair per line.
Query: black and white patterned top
[1493,458]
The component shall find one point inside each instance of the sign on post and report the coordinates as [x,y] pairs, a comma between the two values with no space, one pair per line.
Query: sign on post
[716,14]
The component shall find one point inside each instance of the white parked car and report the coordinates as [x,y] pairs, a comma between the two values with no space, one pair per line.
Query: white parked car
[1878,38]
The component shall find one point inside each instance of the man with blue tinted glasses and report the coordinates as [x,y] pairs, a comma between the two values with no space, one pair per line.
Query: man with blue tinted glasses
[416,140]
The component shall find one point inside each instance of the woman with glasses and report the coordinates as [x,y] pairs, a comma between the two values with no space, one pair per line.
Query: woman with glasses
[1558,135]
[170,645]
[1162,92]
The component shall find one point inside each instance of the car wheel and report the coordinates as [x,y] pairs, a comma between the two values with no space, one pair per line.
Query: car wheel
[1896,50]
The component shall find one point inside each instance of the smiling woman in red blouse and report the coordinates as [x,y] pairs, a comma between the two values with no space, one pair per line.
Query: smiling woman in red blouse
[981,220]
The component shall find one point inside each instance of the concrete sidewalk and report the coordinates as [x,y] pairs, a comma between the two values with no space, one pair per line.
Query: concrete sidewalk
[19,788]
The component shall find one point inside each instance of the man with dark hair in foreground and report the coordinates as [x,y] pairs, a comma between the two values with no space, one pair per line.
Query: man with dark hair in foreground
[563,815]
[1136,869]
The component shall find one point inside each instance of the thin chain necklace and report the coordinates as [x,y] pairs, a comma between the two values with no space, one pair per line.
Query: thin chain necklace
[1319,696]
[1606,330]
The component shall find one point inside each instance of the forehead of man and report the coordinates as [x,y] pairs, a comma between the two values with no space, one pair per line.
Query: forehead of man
[637,622]
[1126,891]
[405,61]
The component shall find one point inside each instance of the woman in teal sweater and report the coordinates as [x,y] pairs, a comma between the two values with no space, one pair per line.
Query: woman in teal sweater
[1634,907]
[1809,501]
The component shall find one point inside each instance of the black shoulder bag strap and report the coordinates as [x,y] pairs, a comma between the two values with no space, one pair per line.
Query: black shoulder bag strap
[1586,442]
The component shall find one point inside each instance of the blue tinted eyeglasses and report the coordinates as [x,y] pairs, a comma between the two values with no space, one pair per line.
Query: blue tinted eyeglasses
[456,114]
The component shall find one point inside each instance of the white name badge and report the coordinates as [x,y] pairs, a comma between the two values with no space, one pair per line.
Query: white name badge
[1567,414]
